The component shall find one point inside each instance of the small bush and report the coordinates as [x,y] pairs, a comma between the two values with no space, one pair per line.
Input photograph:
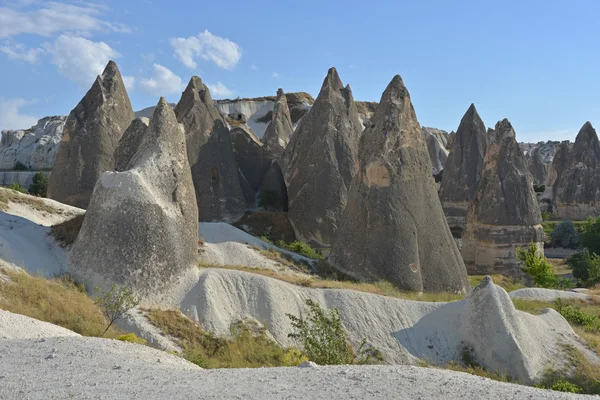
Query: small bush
[269,200]
[537,266]
[19,166]
[300,248]
[566,386]
[586,267]
[116,302]
[39,185]
[590,238]
[293,357]
[18,188]
[132,338]
[577,317]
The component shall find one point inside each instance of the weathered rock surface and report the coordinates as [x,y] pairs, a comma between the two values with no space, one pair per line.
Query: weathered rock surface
[504,214]
[35,148]
[393,227]
[320,161]
[91,135]
[577,191]
[536,165]
[141,227]
[436,140]
[463,170]
[280,130]
[273,191]
[22,178]
[130,142]
[555,171]
[214,171]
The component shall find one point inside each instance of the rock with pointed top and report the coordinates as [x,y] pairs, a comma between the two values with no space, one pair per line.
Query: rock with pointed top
[130,142]
[214,171]
[554,176]
[91,135]
[393,227]
[504,214]
[320,161]
[463,170]
[536,166]
[577,192]
[141,226]
[280,130]
[451,140]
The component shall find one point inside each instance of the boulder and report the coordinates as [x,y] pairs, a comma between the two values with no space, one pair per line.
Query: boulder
[504,214]
[577,191]
[463,170]
[130,142]
[214,171]
[393,227]
[280,129]
[320,161]
[141,226]
[91,135]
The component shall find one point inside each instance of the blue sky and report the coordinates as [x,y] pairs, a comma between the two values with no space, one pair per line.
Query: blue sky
[534,62]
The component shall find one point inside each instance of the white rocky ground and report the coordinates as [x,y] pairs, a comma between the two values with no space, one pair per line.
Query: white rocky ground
[548,295]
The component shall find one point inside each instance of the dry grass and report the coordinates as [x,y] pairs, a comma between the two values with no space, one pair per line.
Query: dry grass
[244,350]
[66,232]
[584,374]
[559,266]
[509,284]
[59,301]
[380,288]
[9,195]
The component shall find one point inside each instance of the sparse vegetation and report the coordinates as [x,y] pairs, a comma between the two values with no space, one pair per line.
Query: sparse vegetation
[508,283]
[19,166]
[546,216]
[590,238]
[549,227]
[565,235]
[324,339]
[60,301]
[585,376]
[66,232]
[116,302]
[539,188]
[586,267]
[18,188]
[132,338]
[17,197]
[39,185]
[269,200]
[576,316]
[536,265]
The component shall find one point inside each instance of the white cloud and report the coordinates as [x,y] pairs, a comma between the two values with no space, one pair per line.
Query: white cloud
[55,17]
[80,59]
[11,117]
[276,75]
[129,82]
[18,52]
[223,52]
[219,90]
[163,82]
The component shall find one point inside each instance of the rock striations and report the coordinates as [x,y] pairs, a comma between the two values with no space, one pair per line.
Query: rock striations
[130,142]
[537,167]
[280,130]
[463,170]
[214,171]
[577,190]
[320,161]
[141,226]
[504,214]
[91,135]
[393,227]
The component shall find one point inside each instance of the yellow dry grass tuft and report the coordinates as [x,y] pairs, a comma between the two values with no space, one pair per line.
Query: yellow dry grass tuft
[9,195]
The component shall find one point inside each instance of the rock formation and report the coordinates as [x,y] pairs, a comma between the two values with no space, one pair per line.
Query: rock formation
[536,166]
[33,148]
[130,142]
[577,190]
[280,130]
[393,227]
[141,226]
[91,135]
[210,154]
[436,148]
[504,214]
[463,170]
[554,176]
[320,161]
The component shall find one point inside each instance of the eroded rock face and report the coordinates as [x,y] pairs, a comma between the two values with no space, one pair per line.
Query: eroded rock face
[214,171]
[436,140]
[537,167]
[320,161]
[141,226]
[91,135]
[577,189]
[504,214]
[130,142]
[463,170]
[393,227]
[554,176]
[280,130]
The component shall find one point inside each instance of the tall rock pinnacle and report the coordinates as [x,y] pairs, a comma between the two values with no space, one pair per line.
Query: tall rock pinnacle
[91,135]
[280,130]
[463,170]
[320,161]
[504,214]
[393,227]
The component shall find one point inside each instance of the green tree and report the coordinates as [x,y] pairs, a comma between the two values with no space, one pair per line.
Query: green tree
[39,185]
[116,302]
[590,238]
[586,267]
[536,265]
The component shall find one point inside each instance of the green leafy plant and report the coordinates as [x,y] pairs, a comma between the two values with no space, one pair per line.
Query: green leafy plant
[565,386]
[546,215]
[539,188]
[575,316]
[586,267]
[536,265]
[590,238]
[116,302]
[18,188]
[132,338]
[39,185]
[300,248]
[324,339]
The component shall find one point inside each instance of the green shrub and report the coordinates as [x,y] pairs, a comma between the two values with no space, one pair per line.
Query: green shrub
[586,267]
[590,238]
[19,166]
[324,339]
[566,386]
[269,200]
[565,235]
[132,338]
[546,215]
[39,185]
[576,317]
[116,302]
[300,248]
[18,188]
[537,266]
